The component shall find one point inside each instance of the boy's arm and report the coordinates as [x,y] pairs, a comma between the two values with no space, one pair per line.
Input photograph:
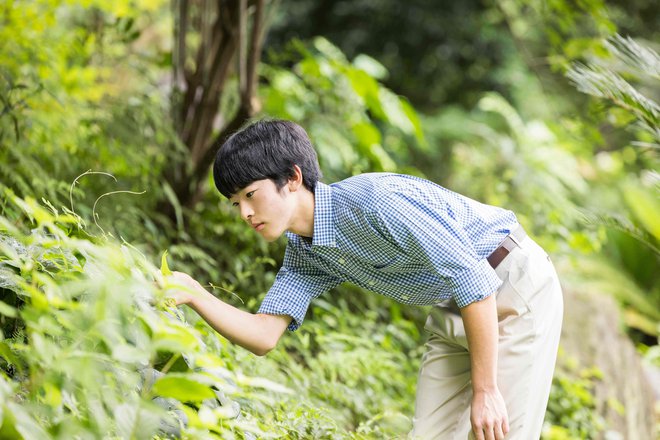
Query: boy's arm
[488,412]
[258,333]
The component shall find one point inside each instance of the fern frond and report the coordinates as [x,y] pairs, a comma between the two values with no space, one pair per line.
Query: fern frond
[622,224]
[634,55]
[600,82]
[604,82]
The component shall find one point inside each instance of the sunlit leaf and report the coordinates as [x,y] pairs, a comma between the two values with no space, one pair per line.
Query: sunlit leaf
[183,388]
[371,66]
[7,310]
[367,134]
[134,421]
[9,356]
[24,423]
[164,268]
[646,207]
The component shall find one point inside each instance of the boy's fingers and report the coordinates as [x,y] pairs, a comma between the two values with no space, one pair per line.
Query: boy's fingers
[158,278]
[157,274]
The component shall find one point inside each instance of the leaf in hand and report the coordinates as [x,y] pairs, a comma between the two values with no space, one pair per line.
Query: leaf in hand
[164,268]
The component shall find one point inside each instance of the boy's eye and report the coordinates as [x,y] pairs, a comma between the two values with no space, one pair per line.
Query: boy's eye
[249,195]
[234,204]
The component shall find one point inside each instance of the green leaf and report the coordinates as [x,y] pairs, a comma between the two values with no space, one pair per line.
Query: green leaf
[128,354]
[174,200]
[164,268]
[8,426]
[645,207]
[410,112]
[368,89]
[371,66]
[182,387]
[27,426]
[328,49]
[8,355]
[367,134]
[174,337]
[634,319]
[52,395]
[135,422]
[397,114]
[7,310]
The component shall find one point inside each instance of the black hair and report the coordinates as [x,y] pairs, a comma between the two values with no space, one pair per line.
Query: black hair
[265,149]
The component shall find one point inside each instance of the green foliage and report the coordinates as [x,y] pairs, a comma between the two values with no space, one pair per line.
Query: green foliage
[450,55]
[356,123]
[359,370]
[66,107]
[93,356]
[570,200]
[90,348]
[434,56]
[595,273]
[628,79]
[603,78]
[572,412]
[571,29]
[645,209]
[88,335]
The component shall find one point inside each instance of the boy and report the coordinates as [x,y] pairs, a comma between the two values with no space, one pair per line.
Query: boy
[494,328]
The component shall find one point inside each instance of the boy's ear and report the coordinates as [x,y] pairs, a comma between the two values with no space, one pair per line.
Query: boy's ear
[296,180]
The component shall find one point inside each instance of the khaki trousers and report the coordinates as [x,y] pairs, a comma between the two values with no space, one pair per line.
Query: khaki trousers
[530,310]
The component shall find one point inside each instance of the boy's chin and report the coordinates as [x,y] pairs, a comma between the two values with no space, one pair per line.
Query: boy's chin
[271,237]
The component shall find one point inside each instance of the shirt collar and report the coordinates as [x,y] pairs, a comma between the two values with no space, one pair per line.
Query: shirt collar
[324,231]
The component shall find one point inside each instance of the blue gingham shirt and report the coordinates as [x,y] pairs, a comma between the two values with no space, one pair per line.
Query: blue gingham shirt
[400,236]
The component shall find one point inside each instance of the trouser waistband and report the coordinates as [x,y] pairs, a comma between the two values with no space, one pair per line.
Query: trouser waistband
[510,242]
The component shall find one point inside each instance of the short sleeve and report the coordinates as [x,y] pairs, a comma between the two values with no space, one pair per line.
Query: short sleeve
[426,231]
[296,284]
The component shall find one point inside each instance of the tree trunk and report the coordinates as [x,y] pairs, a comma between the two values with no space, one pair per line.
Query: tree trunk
[231,32]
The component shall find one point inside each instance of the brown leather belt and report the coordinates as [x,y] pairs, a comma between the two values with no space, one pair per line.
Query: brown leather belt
[508,244]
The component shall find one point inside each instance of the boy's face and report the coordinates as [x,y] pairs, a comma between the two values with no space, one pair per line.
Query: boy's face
[265,208]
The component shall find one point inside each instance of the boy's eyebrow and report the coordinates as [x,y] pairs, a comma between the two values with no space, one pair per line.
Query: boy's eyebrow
[245,189]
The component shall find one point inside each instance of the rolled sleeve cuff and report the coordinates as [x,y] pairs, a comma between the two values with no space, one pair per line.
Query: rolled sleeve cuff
[475,284]
[275,304]
[291,295]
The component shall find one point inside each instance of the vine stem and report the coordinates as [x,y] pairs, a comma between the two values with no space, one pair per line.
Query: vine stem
[94,215]
[76,181]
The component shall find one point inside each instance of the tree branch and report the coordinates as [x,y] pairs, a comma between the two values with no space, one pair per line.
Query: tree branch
[254,54]
[242,47]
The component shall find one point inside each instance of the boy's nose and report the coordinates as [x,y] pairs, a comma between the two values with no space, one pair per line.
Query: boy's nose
[246,212]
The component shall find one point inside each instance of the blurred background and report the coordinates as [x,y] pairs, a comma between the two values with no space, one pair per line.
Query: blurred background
[111,113]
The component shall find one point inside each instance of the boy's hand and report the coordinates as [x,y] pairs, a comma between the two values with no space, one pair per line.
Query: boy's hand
[258,333]
[181,287]
[489,416]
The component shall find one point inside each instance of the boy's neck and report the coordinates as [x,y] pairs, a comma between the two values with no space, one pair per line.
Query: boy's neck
[303,219]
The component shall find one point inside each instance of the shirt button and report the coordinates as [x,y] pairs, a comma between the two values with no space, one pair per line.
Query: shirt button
[342,261]
[372,282]
[404,297]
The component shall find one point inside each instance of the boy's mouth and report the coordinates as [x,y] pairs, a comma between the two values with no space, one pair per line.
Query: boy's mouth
[258,226]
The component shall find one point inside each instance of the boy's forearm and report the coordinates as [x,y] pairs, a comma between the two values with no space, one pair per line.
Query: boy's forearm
[480,321]
[256,332]
[488,413]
